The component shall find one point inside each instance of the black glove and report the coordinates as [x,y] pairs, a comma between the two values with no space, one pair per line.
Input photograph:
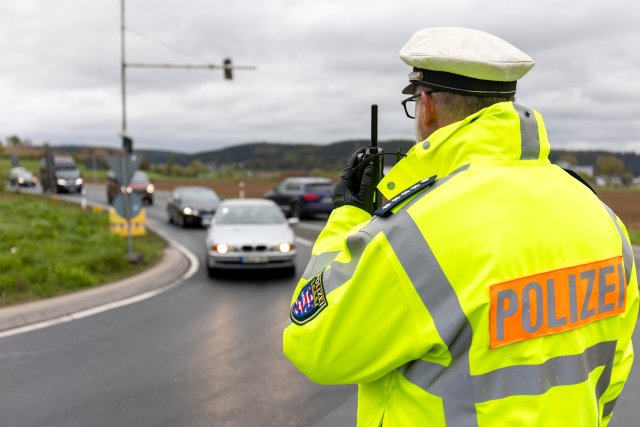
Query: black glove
[357,185]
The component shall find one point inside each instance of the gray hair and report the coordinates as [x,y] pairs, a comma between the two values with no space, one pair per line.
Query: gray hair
[453,107]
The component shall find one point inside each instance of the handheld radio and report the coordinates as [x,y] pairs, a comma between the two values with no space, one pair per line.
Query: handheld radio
[374,153]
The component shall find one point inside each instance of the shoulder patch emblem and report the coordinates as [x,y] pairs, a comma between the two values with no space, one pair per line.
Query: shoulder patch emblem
[311,301]
[385,210]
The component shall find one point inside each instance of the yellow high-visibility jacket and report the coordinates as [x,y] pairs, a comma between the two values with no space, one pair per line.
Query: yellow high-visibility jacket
[501,293]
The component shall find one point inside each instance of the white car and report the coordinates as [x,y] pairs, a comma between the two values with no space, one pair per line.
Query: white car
[250,234]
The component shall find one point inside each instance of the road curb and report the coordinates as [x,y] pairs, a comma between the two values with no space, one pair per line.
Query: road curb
[174,266]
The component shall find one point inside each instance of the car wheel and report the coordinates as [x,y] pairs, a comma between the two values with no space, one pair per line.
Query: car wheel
[180,220]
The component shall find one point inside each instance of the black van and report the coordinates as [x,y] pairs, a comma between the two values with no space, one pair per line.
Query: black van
[60,174]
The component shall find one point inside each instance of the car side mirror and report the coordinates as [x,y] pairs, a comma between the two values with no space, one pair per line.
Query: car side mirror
[293,221]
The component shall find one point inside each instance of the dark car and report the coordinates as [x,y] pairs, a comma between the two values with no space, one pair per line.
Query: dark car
[303,196]
[192,206]
[60,174]
[21,177]
[140,184]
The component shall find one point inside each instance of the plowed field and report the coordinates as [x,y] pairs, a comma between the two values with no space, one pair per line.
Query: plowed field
[625,203]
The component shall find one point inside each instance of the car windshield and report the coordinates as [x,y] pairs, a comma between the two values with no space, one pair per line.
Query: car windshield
[250,215]
[139,178]
[320,188]
[199,196]
[67,173]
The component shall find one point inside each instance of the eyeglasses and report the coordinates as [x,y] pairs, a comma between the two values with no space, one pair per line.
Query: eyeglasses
[411,101]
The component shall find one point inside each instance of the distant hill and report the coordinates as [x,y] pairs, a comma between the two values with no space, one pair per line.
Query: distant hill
[278,156]
[268,156]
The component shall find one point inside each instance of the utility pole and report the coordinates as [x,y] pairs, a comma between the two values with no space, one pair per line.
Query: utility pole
[123,74]
[127,140]
[227,67]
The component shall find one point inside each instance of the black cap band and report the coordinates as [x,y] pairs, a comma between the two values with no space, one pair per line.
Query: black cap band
[455,83]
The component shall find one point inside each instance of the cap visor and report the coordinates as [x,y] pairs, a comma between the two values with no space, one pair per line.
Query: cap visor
[409,89]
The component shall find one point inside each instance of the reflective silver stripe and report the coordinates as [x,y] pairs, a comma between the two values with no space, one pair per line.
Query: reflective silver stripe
[627,251]
[421,265]
[519,380]
[339,272]
[318,262]
[527,380]
[529,136]
[608,407]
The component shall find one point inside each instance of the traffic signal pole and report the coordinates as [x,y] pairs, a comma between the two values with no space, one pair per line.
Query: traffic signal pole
[127,141]
[227,67]
[123,73]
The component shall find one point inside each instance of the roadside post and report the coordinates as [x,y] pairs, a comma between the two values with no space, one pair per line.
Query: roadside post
[126,203]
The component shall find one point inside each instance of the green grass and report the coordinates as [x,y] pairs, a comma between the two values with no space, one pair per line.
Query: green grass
[48,249]
[634,236]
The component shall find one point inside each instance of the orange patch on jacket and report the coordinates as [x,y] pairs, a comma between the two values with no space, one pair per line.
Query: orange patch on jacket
[556,301]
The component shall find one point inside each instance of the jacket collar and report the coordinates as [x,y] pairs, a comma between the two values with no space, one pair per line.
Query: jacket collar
[500,133]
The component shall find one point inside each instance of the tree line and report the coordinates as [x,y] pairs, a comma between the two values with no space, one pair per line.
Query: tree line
[300,157]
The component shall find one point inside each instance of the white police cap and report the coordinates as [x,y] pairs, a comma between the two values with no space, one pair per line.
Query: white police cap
[465,61]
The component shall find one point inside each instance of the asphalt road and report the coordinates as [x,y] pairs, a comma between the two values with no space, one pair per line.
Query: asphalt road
[205,353]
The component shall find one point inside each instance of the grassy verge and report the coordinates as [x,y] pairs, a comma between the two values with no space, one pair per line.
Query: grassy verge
[634,236]
[48,249]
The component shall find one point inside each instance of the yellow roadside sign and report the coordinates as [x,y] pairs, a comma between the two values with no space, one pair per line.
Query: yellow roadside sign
[118,224]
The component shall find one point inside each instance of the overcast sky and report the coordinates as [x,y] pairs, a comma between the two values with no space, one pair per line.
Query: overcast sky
[320,65]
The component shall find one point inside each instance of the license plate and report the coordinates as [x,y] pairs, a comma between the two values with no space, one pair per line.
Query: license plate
[327,200]
[254,260]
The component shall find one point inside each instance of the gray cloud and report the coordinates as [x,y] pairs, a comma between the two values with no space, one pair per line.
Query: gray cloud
[320,65]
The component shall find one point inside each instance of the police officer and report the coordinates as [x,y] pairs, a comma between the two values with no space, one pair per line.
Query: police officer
[493,288]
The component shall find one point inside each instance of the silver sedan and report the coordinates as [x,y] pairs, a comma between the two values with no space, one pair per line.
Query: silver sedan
[250,234]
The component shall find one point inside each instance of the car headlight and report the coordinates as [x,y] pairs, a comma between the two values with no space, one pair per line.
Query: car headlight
[150,188]
[189,211]
[79,181]
[21,180]
[285,247]
[61,182]
[221,248]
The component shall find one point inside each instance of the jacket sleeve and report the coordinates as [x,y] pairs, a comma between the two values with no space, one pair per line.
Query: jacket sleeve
[623,358]
[365,323]
[331,240]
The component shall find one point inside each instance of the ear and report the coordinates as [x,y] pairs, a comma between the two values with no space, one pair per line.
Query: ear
[428,115]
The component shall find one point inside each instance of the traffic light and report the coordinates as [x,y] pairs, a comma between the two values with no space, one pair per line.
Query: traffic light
[127,144]
[228,75]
